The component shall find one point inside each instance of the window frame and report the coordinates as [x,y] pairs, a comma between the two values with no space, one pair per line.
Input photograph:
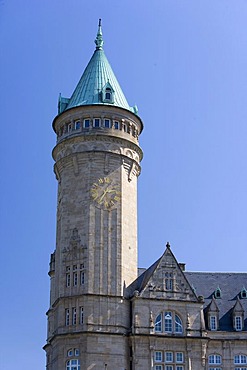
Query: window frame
[98,120]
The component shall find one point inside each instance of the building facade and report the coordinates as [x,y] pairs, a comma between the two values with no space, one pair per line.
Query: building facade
[103,313]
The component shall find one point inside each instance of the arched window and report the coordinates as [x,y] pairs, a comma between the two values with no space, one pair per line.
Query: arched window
[240,359]
[73,365]
[168,322]
[214,360]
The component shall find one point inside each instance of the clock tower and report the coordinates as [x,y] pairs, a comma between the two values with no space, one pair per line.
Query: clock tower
[97,162]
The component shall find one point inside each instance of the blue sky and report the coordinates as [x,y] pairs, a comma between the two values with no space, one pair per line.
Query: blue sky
[184,63]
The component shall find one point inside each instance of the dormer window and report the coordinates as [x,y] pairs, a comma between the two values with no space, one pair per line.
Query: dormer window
[108,93]
[213,322]
[243,293]
[217,293]
[238,323]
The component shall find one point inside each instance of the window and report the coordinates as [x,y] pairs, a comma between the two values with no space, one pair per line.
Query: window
[75,278]
[70,353]
[77,125]
[240,359]
[77,352]
[73,365]
[82,277]
[168,357]
[217,293]
[108,94]
[158,324]
[74,316]
[238,323]
[178,324]
[107,123]
[179,357]
[67,316]
[116,125]
[168,322]
[96,122]
[168,281]
[69,127]
[214,359]
[213,323]
[243,293]
[81,315]
[86,123]
[68,279]
[168,360]
[158,356]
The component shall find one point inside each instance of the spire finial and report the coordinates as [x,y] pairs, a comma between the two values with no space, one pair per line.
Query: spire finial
[99,39]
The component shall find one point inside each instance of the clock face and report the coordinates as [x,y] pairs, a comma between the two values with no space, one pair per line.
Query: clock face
[105,192]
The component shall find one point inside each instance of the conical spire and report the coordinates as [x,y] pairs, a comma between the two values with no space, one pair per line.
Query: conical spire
[98,84]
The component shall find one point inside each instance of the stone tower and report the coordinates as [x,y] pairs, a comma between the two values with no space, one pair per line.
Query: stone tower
[97,162]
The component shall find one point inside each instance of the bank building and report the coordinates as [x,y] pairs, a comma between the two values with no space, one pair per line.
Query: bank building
[104,312]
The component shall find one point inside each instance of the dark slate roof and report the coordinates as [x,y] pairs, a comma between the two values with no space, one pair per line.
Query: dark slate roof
[142,280]
[230,284]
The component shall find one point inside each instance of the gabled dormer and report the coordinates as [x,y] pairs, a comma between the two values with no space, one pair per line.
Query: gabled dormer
[238,316]
[108,93]
[164,279]
[212,315]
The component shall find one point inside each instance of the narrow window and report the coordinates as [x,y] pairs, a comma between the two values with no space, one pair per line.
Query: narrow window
[168,322]
[77,125]
[107,123]
[74,316]
[68,279]
[75,278]
[96,122]
[116,125]
[67,316]
[238,323]
[86,123]
[77,352]
[82,277]
[81,315]
[213,323]
[108,94]
[69,127]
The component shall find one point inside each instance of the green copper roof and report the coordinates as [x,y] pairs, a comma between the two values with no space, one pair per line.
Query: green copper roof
[98,84]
